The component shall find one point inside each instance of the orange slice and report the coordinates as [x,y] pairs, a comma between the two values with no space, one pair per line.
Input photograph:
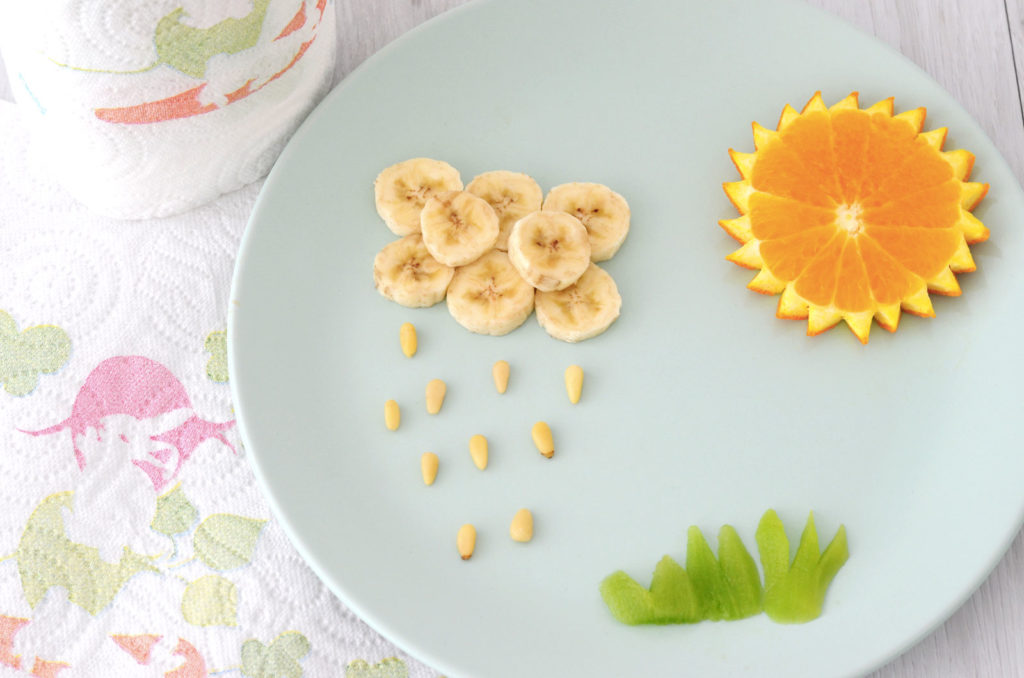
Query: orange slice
[854,214]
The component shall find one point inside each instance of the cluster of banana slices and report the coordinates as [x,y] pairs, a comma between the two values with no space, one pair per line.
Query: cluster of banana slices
[497,249]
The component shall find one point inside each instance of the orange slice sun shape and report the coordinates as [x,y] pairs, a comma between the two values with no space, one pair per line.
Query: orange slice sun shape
[853,214]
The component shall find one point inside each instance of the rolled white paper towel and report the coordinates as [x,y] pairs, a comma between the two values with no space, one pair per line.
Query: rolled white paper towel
[145,108]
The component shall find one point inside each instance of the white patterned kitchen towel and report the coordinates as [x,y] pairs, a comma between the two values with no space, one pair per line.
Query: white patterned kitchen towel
[145,109]
[133,539]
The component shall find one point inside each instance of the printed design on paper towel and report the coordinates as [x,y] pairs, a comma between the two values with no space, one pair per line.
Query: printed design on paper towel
[9,627]
[188,48]
[217,346]
[140,648]
[280,659]
[48,558]
[140,389]
[222,542]
[42,668]
[25,355]
[190,51]
[389,667]
[132,428]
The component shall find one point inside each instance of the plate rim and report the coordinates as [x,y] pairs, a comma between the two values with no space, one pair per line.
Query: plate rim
[425,654]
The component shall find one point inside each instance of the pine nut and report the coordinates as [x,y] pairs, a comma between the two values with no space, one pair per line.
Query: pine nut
[392,415]
[466,541]
[407,337]
[436,390]
[500,372]
[521,529]
[428,467]
[478,450]
[574,382]
[543,440]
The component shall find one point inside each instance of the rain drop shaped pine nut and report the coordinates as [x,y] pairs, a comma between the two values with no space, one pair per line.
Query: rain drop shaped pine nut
[574,383]
[521,529]
[392,415]
[478,451]
[428,467]
[500,372]
[407,337]
[543,440]
[436,390]
[466,541]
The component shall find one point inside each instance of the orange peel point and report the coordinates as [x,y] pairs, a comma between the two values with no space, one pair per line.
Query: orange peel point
[915,118]
[971,194]
[787,116]
[739,228]
[961,161]
[814,105]
[885,107]
[935,138]
[847,103]
[853,214]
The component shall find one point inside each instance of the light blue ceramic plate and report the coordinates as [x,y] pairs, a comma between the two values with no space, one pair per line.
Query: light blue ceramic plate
[700,407]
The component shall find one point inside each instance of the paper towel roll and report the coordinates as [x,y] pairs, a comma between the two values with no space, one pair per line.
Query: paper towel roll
[145,109]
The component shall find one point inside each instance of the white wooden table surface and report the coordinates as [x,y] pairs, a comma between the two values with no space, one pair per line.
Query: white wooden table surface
[975,50]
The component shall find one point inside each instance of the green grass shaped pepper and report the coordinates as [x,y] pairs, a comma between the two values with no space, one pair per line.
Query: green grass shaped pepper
[670,600]
[729,587]
[795,592]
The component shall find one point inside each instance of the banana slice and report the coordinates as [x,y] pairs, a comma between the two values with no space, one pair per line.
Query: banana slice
[458,227]
[604,212]
[401,190]
[489,296]
[405,273]
[550,250]
[582,311]
[513,195]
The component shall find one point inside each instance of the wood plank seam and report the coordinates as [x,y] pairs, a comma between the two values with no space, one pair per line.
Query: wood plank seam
[1013,55]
